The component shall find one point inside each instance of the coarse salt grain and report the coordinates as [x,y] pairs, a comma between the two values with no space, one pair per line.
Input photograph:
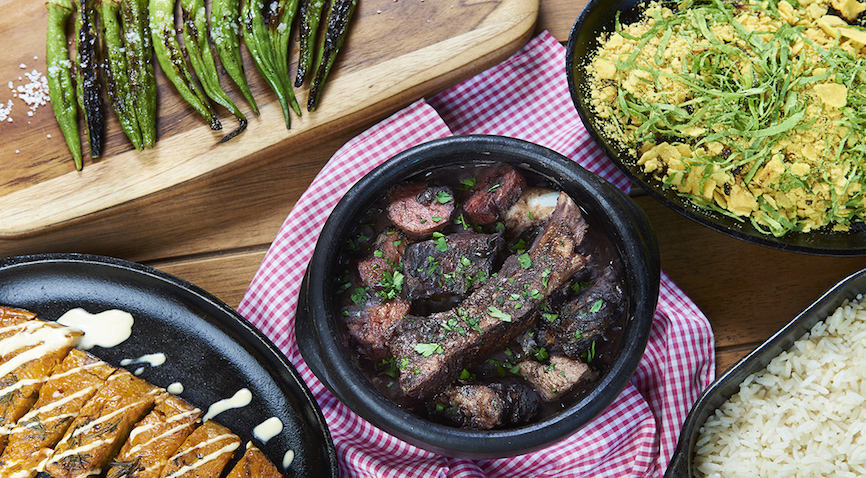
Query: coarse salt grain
[34,93]
[5,110]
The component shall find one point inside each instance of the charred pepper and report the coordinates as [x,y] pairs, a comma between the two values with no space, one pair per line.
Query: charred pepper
[224,18]
[339,16]
[280,28]
[60,86]
[172,60]
[138,47]
[114,68]
[311,14]
[255,32]
[195,38]
[89,91]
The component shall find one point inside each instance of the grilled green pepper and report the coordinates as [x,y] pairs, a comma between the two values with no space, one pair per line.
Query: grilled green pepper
[115,70]
[280,28]
[138,47]
[200,56]
[339,16]
[60,86]
[172,60]
[224,17]
[87,64]
[255,32]
[311,14]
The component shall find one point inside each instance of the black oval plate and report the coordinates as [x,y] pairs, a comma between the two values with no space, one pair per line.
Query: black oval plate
[599,16]
[210,349]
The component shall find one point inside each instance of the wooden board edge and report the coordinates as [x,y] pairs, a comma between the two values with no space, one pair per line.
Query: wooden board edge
[104,187]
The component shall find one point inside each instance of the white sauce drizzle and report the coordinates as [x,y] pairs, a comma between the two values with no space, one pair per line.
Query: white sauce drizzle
[106,329]
[175,389]
[43,337]
[155,360]
[241,398]
[138,371]
[210,457]
[288,458]
[268,429]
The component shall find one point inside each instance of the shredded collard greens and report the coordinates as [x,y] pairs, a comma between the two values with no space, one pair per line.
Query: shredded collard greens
[754,110]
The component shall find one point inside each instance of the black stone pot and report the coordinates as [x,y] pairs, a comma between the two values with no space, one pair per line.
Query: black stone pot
[598,17]
[322,336]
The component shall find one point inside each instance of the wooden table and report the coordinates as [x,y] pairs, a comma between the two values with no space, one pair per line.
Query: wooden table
[215,232]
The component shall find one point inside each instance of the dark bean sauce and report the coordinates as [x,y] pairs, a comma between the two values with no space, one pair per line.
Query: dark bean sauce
[500,365]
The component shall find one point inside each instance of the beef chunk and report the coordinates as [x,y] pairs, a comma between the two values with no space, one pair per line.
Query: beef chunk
[495,190]
[385,257]
[487,406]
[419,209]
[554,380]
[449,265]
[371,324]
[438,347]
[585,318]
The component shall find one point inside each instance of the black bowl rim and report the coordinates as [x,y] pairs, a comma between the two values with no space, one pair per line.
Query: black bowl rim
[341,377]
[745,231]
[729,382]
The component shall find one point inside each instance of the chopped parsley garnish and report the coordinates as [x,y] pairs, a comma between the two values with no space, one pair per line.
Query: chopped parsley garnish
[550,317]
[498,314]
[461,221]
[429,349]
[519,246]
[391,283]
[441,243]
[545,277]
[359,295]
[577,286]
[443,197]
[589,355]
[541,354]
[468,183]
[524,260]
[596,306]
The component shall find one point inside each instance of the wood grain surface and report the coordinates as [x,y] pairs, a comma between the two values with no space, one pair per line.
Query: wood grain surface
[397,51]
[217,231]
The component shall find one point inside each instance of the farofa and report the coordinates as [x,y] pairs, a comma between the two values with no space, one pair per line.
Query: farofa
[755,110]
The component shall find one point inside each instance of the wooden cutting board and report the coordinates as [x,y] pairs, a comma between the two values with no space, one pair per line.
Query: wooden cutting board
[397,51]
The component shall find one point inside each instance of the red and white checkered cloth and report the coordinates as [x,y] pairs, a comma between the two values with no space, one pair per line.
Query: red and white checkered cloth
[525,97]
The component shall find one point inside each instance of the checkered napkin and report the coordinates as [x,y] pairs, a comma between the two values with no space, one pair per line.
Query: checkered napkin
[524,97]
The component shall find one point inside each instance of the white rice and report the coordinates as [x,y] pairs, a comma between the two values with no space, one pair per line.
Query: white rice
[804,415]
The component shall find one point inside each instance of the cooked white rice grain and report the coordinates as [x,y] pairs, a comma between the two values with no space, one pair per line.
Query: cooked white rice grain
[803,415]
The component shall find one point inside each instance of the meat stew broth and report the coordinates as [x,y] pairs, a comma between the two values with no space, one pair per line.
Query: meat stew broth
[534,352]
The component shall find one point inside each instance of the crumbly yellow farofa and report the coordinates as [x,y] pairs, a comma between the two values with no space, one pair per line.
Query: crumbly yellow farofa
[756,110]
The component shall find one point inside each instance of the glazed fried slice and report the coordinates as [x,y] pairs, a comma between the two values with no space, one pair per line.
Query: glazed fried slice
[254,464]
[74,381]
[204,454]
[155,439]
[30,357]
[10,316]
[102,427]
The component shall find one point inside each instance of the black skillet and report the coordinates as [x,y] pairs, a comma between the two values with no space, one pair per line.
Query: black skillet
[598,17]
[210,349]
